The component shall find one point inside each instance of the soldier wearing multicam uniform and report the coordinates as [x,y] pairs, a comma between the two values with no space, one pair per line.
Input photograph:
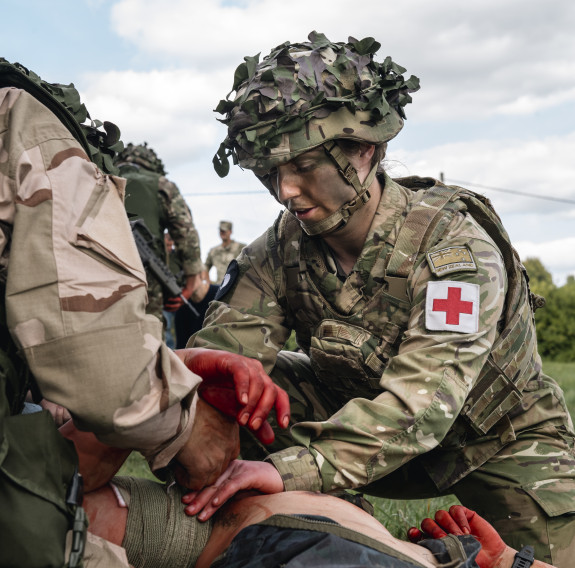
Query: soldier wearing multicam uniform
[73,329]
[158,201]
[221,255]
[421,374]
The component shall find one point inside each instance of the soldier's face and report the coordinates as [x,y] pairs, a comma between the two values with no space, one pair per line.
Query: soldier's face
[310,186]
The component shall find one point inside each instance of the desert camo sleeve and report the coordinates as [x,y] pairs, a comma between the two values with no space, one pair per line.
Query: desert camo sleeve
[76,289]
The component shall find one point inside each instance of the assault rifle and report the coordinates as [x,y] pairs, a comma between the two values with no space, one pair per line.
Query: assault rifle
[156,265]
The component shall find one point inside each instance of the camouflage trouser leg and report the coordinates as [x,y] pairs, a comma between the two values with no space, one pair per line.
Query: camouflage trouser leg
[527,491]
[293,373]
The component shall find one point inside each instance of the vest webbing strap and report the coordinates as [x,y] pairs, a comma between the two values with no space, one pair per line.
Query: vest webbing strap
[415,231]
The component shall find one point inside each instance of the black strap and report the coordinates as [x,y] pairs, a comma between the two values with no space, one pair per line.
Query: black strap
[524,558]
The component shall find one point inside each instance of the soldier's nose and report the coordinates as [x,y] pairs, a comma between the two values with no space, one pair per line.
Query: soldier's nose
[287,186]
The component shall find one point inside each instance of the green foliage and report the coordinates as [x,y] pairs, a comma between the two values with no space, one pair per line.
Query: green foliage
[556,324]
[556,320]
[540,279]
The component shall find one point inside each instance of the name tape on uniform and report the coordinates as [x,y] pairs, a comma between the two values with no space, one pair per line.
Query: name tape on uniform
[451,259]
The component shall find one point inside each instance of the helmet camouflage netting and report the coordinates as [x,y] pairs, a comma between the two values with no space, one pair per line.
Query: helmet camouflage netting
[64,100]
[142,155]
[304,94]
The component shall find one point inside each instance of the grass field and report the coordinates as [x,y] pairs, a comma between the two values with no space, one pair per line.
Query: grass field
[398,516]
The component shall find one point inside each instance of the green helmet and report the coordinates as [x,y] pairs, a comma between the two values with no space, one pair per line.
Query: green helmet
[142,155]
[309,94]
[64,101]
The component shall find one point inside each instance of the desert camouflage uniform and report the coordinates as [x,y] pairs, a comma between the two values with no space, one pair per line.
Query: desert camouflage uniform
[76,291]
[377,398]
[220,256]
[172,213]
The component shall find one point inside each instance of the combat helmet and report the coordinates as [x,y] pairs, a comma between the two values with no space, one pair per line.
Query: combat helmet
[142,155]
[305,95]
[100,140]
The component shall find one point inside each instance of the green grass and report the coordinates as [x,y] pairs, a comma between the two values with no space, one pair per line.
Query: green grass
[399,515]
[564,374]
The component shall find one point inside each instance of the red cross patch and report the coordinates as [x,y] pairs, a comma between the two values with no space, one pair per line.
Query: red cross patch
[452,306]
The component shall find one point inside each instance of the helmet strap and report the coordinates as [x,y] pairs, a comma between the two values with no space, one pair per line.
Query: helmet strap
[339,218]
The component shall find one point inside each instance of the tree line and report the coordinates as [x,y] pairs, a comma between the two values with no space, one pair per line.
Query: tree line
[556,320]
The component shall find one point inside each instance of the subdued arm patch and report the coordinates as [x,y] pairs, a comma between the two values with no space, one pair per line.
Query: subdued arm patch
[229,279]
[451,259]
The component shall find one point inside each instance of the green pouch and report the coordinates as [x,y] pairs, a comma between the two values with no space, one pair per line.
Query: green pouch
[37,466]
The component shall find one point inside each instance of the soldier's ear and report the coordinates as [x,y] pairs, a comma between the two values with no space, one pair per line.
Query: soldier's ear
[366,151]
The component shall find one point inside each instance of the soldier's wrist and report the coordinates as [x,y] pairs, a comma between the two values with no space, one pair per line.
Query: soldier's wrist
[524,558]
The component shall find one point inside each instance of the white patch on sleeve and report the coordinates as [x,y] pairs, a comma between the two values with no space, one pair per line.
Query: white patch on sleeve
[452,306]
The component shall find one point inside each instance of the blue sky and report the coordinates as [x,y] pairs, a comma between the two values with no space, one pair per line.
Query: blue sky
[496,108]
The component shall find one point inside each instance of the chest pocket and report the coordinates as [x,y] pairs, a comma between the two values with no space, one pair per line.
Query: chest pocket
[348,359]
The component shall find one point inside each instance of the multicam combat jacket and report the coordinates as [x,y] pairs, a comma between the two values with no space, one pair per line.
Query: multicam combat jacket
[76,289]
[399,365]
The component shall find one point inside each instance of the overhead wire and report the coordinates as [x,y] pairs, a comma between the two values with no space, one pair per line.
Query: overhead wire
[454,181]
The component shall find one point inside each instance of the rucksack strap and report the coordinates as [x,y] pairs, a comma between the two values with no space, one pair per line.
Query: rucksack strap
[426,218]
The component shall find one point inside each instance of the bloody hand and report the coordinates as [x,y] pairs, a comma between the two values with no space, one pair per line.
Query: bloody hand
[238,386]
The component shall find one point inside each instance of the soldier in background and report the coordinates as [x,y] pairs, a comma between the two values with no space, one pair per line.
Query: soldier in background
[155,199]
[420,374]
[221,255]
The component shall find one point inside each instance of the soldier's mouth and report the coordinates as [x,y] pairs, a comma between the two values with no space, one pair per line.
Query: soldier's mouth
[303,213]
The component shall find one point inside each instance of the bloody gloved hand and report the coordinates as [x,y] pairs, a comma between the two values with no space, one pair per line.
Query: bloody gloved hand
[238,386]
[460,521]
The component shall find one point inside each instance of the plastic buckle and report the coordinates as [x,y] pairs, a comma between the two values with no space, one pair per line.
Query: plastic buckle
[524,558]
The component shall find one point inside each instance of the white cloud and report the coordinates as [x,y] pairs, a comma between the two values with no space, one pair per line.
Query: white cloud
[483,58]
[540,167]
[171,109]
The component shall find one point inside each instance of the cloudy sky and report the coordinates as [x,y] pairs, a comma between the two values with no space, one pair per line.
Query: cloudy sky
[495,113]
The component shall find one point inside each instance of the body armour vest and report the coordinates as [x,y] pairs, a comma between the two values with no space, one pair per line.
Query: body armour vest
[143,201]
[359,345]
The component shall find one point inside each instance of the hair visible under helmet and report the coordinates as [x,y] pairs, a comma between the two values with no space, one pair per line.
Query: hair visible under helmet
[309,94]
[142,155]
